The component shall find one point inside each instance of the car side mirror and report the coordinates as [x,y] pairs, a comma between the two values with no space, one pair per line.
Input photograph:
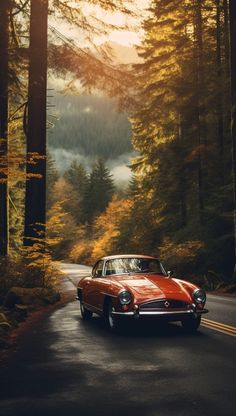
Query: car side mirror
[170,273]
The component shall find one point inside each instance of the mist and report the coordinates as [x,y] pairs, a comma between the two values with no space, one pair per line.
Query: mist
[119,167]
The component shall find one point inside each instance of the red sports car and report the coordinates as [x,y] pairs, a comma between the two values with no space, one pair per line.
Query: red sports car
[136,287]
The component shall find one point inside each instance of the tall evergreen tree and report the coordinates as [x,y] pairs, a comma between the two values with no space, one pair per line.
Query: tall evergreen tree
[35,198]
[99,190]
[77,176]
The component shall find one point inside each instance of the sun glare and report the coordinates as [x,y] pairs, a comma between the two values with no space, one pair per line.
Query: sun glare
[127,29]
[123,37]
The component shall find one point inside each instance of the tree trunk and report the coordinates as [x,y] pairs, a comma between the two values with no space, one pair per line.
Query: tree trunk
[35,199]
[232,20]
[226,90]
[182,180]
[226,37]
[200,108]
[220,118]
[4,71]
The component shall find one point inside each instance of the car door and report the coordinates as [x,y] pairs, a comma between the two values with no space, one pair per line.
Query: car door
[92,290]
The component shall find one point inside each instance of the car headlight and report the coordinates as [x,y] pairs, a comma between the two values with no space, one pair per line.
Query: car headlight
[125,297]
[199,296]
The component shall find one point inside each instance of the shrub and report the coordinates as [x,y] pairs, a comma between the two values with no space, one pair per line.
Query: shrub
[184,258]
[81,252]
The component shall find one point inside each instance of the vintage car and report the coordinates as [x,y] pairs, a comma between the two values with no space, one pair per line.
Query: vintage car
[136,287]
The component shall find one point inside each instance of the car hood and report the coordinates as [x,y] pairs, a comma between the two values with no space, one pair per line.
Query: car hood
[153,286]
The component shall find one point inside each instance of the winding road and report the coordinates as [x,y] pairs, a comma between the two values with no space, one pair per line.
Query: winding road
[68,367]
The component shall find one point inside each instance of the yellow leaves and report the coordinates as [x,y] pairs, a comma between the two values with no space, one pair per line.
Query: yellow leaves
[62,190]
[107,227]
[104,244]
[103,235]
[60,224]
[186,249]
[81,252]
[114,212]
[33,158]
[12,165]
[55,223]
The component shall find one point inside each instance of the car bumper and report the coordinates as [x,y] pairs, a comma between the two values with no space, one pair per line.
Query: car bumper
[172,315]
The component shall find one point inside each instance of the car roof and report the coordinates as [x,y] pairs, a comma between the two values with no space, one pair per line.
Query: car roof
[128,256]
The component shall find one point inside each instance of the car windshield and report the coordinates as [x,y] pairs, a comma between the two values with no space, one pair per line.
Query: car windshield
[133,265]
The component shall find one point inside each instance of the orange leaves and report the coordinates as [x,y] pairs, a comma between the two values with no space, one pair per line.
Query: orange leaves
[105,231]
[107,227]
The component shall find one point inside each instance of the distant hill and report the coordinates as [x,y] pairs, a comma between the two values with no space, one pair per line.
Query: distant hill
[90,126]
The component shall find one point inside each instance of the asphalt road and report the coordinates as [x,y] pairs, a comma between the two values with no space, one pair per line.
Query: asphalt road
[69,367]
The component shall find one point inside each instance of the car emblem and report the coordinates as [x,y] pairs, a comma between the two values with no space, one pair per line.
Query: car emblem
[167,304]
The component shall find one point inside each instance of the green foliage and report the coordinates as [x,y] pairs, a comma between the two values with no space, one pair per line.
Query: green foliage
[213,281]
[77,177]
[99,191]
[185,259]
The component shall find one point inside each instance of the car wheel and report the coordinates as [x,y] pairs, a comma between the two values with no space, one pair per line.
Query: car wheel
[191,324]
[111,320]
[85,313]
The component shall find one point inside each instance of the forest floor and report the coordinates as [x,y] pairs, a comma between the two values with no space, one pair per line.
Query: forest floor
[67,294]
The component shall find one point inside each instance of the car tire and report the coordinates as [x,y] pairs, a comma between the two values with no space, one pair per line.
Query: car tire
[191,324]
[112,321]
[85,313]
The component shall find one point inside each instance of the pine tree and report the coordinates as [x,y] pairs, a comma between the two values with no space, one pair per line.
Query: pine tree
[77,176]
[99,190]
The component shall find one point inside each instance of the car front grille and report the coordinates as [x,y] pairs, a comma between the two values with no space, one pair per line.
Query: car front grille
[164,304]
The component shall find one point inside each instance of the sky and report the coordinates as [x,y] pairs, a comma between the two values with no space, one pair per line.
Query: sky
[130,35]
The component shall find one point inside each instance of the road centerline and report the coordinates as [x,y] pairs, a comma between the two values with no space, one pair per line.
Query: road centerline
[220,327]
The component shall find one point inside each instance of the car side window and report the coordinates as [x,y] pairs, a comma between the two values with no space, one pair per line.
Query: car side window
[108,268]
[98,269]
